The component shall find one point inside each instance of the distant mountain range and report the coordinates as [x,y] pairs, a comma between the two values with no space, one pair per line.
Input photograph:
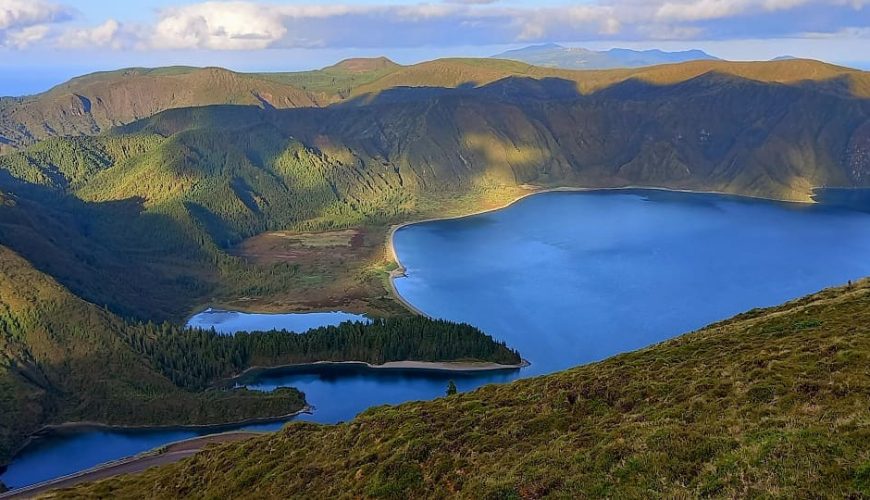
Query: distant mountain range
[557,56]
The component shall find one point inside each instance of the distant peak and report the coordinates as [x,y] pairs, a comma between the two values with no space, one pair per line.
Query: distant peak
[540,48]
[364,64]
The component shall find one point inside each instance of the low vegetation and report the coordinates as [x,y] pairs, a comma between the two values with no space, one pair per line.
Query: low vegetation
[174,229]
[771,402]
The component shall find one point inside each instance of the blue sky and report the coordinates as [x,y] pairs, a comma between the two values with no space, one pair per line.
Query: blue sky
[43,42]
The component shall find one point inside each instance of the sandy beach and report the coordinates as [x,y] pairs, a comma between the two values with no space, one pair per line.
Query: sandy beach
[445,366]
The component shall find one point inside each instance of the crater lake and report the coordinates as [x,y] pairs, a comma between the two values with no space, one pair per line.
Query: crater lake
[566,278]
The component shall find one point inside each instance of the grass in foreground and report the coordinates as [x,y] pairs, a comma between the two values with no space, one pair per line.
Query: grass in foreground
[773,402]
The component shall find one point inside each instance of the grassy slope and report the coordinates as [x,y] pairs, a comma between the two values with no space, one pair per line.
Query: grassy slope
[771,402]
[166,213]
[336,81]
[63,359]
[96,102]
[713,132]
[140,263]
[455,72]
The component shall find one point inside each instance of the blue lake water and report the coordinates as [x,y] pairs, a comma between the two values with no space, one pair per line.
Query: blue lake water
[228,322]
[573,277]
[566,278]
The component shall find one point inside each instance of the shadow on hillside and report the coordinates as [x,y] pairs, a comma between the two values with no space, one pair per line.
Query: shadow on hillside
[511,88]
[516,90]
[115,254]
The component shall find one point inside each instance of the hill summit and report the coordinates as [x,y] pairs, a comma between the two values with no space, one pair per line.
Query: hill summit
[363,64]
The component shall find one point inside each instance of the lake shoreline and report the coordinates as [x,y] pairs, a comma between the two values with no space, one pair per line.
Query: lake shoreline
[161,455]
[407,365]
[401,270]
[254,371]
[72,427]
[636,197]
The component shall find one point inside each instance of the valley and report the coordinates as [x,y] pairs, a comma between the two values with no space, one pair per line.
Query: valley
[131,200]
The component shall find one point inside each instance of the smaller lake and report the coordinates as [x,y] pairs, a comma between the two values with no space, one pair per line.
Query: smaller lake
[229,322]
[336,391]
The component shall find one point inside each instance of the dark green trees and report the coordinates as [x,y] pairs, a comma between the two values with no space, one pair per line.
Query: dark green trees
[195,359]
[451,388]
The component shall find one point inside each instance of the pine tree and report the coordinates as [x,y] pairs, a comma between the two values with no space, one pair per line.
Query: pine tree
[451,388]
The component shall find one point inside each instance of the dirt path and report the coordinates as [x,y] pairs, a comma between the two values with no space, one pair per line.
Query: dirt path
[172,453]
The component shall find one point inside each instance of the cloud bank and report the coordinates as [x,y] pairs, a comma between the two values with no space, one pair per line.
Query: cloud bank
[24,22]
[252,25]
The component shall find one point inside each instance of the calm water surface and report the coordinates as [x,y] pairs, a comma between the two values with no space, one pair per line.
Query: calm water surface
[228,322]
[567,278]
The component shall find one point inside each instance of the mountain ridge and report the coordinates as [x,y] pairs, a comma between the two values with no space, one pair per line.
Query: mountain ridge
[94,103]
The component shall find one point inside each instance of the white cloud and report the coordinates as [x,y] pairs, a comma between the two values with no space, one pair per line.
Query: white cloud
[254,24]
[17,14]
[25,37]
[702,10]
[472,2]
[848,33]
[104,35]
[220,26]
[594,19]
[25,22]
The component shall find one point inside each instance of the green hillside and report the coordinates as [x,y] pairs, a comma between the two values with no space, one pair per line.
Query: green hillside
[338,80]
[63,359]
[773,402]
[93,103]
[167,199]
[85,211]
